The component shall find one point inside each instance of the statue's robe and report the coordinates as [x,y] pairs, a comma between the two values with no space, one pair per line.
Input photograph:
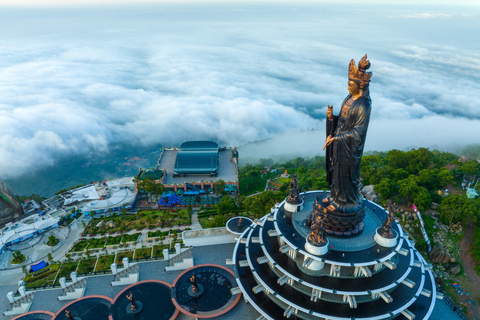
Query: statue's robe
[345,153]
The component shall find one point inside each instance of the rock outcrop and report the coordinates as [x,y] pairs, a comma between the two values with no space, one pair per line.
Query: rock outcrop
[369,194]
[439,255]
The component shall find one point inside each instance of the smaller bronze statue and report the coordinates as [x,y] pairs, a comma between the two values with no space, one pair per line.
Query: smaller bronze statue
[240,225]
[193,280]
[134,305]
[318,236]
[386,228]
[69,315]
[294,196]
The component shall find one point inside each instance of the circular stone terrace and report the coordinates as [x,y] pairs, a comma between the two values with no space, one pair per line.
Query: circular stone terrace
[233,227]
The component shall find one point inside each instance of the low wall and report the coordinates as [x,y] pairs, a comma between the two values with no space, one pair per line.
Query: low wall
[207,237]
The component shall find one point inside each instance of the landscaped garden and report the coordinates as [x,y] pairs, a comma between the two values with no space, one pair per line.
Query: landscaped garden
[86,266]
[96,243]
[42,278]
[121,255]
[143,219]
[157,234]
[65,269]
[143,253]
[52,241]
[158,250]
[104,263]
[18,257]
[131,237]
[113,240]
[80,245]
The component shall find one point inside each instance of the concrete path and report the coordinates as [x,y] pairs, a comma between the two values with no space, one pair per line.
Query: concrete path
[195,222]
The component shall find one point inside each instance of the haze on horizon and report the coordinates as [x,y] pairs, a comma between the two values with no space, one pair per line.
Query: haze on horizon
[75,81]
[38,3]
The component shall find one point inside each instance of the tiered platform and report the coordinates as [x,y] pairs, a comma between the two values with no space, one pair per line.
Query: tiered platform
[357,278]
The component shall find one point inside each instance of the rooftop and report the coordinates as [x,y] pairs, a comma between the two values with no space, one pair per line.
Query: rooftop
[226,169]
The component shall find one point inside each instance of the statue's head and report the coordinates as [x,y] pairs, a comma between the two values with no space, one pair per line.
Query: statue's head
[358,78]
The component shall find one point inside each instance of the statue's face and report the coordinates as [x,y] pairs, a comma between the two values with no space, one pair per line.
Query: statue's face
[353,88]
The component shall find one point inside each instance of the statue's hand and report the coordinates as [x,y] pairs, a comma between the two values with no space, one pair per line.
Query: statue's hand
[328,141]
[330,112]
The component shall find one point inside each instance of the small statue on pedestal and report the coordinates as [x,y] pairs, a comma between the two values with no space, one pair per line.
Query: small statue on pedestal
[68,314]
[240,225]
[294,196]
[195,290]
[318,236]
[134,305]
[193,280]
[386,228]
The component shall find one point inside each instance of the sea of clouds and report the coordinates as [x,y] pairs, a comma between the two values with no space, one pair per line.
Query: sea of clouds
[76,80]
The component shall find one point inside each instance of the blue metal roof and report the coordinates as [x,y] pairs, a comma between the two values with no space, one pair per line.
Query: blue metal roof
[197,157]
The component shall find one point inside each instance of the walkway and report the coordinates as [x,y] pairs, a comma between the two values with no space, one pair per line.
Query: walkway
[469,268]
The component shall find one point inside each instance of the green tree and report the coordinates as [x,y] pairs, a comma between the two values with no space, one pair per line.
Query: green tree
[18,256]
[471,167]
[52,240]
[456,208]
[226,205]
[386,188]
[408,188]
[49,257]
[422,199]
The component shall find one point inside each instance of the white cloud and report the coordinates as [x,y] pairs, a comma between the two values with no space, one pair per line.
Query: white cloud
[75,82]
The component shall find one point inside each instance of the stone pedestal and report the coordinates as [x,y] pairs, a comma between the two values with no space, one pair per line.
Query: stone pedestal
[166,254]
[317,251]
[178,248]
[293,207]
[139,308]
[340,224]
[11,297]
[386,242]
[113,266]
[63,282]
[73,275]
[126,263]
[196,294]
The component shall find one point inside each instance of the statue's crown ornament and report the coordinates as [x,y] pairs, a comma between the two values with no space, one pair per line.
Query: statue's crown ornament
[360,73]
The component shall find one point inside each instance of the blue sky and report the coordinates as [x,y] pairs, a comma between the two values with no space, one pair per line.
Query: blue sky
[74,80]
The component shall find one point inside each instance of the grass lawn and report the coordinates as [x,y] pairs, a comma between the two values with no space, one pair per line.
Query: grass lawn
[158,250]
[42,277]
[65,270]
[250,185]
[104,263]
[86,266]
[123,254]
[143,253]
[283,180]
